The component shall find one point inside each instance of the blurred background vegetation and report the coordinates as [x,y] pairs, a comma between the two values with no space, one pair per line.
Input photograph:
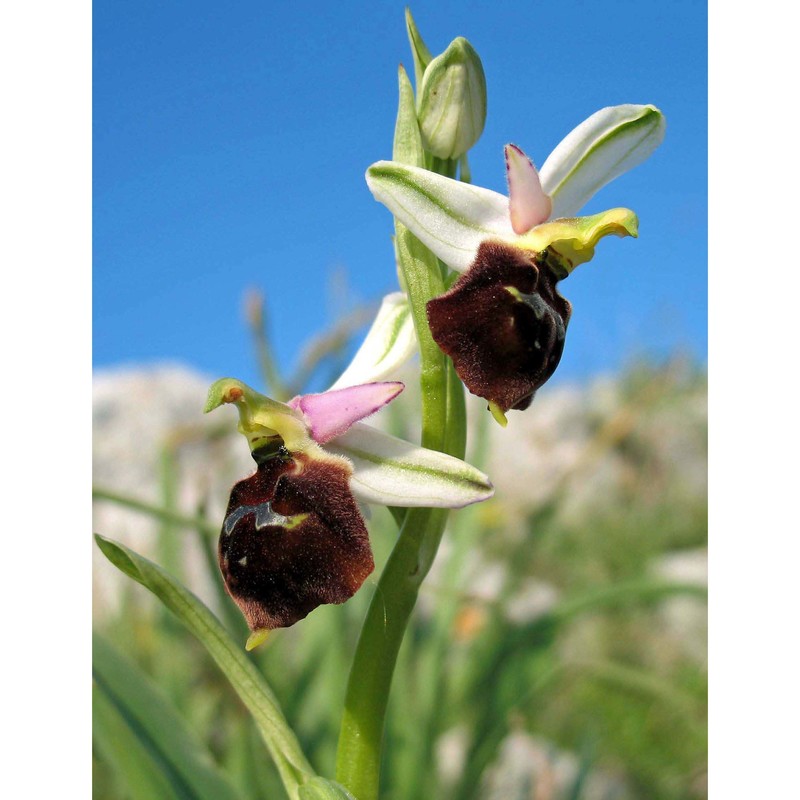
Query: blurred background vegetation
[559,647]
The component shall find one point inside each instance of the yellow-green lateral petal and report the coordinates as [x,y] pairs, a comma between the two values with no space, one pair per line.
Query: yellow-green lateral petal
[572,240]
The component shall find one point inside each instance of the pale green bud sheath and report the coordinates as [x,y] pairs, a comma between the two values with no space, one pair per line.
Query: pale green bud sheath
[451,103]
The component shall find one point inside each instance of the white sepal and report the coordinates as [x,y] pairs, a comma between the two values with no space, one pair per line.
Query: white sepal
[449,217]
[603,147]
[389,471]
[389,343]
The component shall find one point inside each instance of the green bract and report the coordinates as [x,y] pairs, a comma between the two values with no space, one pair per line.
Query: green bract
[419,50]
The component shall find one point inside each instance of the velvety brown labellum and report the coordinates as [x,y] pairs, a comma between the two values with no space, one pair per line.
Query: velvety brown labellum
[293,539]
[503,323]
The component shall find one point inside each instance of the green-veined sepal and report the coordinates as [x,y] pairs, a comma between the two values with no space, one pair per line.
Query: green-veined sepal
[389,343]
[449,217]
[603,147]
[390,471]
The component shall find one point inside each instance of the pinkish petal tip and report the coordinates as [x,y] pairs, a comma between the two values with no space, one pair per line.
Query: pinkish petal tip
[528,205]
[330,414]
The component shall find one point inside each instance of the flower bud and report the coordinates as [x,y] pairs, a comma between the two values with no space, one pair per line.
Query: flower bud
[452,101]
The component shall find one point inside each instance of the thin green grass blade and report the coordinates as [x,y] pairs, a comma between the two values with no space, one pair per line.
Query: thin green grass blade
[127,754]
[321,789]
[157,748]
[249,684]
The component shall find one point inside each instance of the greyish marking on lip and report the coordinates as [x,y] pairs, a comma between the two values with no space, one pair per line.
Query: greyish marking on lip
[265,517]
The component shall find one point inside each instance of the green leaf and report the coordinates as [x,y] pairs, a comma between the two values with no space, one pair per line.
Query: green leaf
[128,755]
[249,684]
[321,789]
[137,730]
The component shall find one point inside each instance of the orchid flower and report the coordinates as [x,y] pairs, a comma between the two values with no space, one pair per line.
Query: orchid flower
[293,537]
[503,323]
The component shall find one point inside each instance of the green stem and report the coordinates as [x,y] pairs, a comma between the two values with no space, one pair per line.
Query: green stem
[361,736]
[443,428]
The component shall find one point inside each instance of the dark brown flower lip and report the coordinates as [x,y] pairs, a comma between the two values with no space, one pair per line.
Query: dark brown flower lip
[503,323]
[293,539]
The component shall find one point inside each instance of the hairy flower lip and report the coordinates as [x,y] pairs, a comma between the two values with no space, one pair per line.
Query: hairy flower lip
[292,539]
[503,323]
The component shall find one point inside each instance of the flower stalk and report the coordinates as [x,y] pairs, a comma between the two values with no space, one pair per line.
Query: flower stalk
[443,428]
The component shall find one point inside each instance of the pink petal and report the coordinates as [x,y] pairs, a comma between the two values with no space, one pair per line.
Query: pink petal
[330,414]
[528,205]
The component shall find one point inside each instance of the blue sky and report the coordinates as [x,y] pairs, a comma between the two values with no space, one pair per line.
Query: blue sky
[230,143]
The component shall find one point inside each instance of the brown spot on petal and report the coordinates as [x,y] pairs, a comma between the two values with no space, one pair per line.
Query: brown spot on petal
[293,539]
[503,323]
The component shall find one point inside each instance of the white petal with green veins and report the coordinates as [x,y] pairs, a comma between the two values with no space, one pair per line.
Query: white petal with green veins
[390,471]
[603,147]
[390,342]
[449,217]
